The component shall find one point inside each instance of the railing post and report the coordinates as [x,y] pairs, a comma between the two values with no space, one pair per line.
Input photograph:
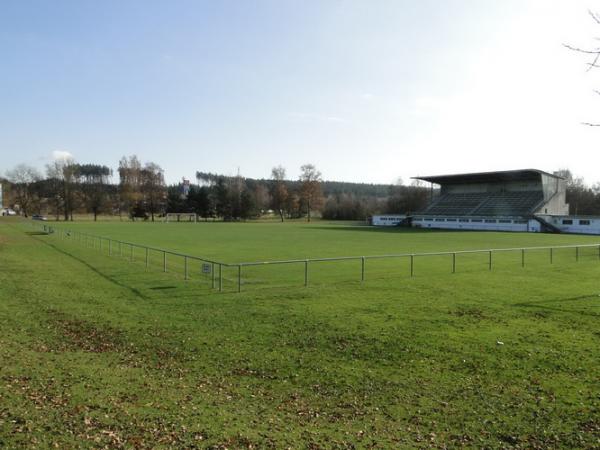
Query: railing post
[110,247]
[185,267]
[240,278]
[212,272]
[100,247]
[551,255]
[362,269]
[522,257]
[147,257]
[412,265]
[220,277]
[490,261]
[164,261]
[576,254]
[306,273]
[454,262]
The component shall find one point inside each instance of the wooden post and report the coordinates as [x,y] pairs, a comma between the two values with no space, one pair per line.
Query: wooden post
[306,273]
[362,269]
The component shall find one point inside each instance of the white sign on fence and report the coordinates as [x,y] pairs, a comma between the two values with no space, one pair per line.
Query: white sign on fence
[206,268]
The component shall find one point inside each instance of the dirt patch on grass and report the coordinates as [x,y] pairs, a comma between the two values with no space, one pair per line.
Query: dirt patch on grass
[471,313]
[158,352]
[78,335]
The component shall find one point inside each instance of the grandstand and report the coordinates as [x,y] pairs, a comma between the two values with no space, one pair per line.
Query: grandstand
[516,200]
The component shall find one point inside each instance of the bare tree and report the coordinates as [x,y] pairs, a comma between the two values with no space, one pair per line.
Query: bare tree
[310,188]
[130,184]
[153,187]
[279,191]
[62,171]
[23,178]
[593,53]
[93,181]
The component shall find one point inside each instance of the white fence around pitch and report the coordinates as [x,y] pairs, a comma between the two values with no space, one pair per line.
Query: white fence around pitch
[277,273]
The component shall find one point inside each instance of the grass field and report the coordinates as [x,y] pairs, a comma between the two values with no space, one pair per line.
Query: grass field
[99,352]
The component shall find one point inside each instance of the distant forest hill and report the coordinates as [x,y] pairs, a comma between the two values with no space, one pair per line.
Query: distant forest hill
[336,200]
[328,188]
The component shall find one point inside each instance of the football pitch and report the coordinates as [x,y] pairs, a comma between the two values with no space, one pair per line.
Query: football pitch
[97,350]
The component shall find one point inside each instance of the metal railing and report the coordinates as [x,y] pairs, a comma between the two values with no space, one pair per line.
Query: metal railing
[114,247]
[125,249]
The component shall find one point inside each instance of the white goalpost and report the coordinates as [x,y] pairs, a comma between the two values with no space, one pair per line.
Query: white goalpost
[181,217]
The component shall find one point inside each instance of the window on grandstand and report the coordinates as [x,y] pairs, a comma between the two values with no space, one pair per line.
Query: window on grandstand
[476,220]
[567,222]
[490,220]
[440,220]
[584,222]
[504,221]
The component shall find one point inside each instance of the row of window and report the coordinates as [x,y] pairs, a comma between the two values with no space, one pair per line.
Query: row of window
[581,222]
[465,220]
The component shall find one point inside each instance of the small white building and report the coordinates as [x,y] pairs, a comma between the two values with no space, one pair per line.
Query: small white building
[388,220]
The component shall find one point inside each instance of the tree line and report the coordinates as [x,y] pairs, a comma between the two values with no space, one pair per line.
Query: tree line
[140,192]
[67,187]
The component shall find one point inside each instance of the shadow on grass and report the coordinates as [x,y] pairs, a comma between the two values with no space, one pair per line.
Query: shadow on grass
[374,229]
[543,304]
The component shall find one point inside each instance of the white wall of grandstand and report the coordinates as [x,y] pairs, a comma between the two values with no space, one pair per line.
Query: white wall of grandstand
[575,224]
[473,223]
[388,220]
[527,200]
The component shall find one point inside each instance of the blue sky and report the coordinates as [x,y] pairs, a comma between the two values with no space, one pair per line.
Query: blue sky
[368,91]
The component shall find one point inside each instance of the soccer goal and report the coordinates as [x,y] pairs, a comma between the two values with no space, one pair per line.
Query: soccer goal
[181,217]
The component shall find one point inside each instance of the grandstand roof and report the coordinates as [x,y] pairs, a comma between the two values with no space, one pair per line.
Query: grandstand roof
[487,177]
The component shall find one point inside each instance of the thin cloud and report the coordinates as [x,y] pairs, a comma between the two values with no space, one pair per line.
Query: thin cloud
[316,117]
[58,155]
